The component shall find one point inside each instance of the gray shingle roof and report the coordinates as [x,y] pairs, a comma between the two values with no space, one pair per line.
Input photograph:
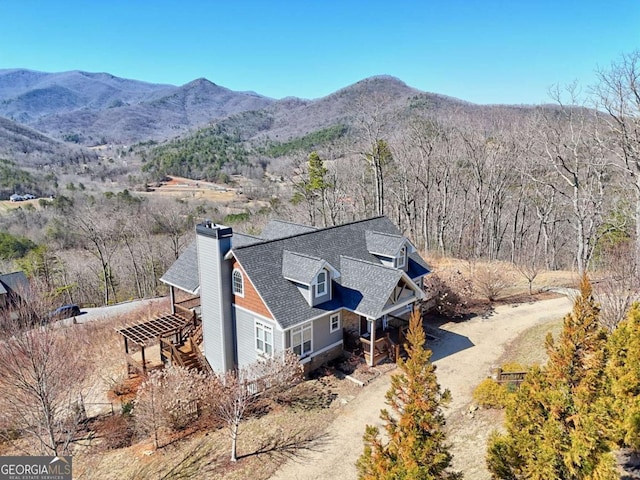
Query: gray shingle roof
[16,282]
[365,286]
[263,264]
[384,243]
[184,271]
[300,268]
[277,229]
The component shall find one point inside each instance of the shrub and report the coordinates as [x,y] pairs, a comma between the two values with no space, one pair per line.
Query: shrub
[490,394]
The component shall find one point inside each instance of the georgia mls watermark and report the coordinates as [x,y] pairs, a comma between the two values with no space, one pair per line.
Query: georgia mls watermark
[35,468]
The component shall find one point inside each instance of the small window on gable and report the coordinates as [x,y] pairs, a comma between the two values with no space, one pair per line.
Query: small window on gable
[321,284]
[401,261]
[334,321]
[237,283]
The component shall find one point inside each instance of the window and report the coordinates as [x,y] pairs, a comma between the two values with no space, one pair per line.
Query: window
[264,338]
[237,283]
[402,258]
[301,340]
[321,284]
[334,321]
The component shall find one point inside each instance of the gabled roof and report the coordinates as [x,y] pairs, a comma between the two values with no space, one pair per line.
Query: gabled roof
[183,274]
[16,282]
[277,229]
[263,263]
[384,244]
[300,268]
[365,286]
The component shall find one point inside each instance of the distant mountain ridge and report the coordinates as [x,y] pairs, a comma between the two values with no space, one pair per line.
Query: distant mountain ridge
[96,107]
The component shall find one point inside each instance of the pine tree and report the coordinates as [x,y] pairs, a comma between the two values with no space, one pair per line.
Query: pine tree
[623,370]
[557,424]
[416,446]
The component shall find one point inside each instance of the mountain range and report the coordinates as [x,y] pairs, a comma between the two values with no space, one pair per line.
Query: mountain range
[56,115]
[94,108]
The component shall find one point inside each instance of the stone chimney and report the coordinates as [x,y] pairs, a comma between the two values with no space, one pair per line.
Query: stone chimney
[214,242]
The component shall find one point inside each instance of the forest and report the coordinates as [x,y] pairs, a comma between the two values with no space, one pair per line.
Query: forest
[551,187]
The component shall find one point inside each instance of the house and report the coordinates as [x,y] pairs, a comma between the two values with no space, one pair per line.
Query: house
[296,287]
[13,287]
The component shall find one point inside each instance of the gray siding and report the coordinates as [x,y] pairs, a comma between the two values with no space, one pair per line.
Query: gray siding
[215,298]
[321,333]
[246,336]
[322,337]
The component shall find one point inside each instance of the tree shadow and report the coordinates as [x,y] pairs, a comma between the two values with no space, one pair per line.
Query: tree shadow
[284,445]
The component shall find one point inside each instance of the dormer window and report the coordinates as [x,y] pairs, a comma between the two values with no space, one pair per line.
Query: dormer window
[321,284]
[237,283]
[401,261]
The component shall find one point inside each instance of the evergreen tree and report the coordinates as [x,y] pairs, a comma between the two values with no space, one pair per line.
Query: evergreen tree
[313,188]
[557,424]
[416,447]
[624,372]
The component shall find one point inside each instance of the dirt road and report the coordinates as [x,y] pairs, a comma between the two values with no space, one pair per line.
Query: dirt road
[464,354]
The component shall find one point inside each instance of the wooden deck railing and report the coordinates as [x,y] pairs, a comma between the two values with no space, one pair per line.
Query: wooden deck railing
[170,352]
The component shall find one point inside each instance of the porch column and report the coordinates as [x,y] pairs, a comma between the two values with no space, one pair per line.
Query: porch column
[372,347]
[172,297]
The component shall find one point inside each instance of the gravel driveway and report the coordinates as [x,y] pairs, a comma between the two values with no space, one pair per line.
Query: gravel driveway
[463,353]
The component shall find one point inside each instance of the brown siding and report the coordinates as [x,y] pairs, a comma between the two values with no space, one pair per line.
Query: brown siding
[251,300]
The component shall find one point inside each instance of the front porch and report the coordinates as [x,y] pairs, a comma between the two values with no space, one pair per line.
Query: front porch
[375,344]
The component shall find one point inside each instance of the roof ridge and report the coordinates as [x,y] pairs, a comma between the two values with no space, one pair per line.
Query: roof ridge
[385,234]
[393,269]
[303,255]
[312,231]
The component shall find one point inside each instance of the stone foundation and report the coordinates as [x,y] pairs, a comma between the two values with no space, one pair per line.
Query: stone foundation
[325,357]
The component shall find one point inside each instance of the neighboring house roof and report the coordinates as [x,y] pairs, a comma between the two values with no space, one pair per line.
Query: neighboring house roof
[384,244]
[16,282]
[277,229]
[263,263]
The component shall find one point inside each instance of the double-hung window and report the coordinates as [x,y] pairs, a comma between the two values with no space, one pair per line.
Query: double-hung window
[321,284]
[402,258]
[264,338]
[301,340]
[334,321]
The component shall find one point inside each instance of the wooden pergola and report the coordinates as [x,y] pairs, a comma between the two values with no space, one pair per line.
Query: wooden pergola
[147,333]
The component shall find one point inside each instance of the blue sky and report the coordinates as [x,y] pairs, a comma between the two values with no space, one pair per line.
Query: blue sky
[484,51]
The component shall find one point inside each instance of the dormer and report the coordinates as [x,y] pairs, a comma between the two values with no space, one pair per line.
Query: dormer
[312,276]
[391,250]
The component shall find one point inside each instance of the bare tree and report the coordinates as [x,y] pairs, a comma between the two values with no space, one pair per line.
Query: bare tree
[575,169]
[169,400]
[42,376]
[618,94]
[238,391]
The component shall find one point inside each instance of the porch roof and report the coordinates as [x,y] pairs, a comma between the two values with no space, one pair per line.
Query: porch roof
[152,329]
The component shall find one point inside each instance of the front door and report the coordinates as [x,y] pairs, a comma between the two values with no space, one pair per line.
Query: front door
[364,325]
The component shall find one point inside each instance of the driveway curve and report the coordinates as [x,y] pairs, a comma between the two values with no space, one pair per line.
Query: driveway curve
[463,353]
